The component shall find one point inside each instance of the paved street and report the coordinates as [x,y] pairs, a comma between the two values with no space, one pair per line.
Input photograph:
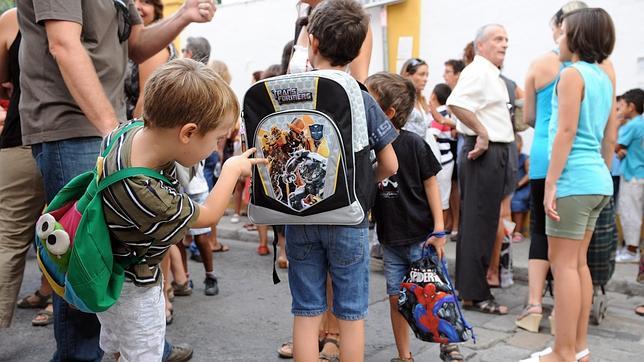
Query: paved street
[250,318]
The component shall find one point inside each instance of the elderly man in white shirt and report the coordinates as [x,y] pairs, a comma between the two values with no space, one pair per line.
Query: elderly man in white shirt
[487,165]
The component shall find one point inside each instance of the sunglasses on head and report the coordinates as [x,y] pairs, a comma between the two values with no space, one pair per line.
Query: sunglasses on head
[413,64]
[124,24]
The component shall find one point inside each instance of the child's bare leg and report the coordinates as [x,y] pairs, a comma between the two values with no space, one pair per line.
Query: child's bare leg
[400,328]
[352,346]
[519,219]
[262,231]
[455,205]
[176,265]
[330,328]
[586,283]
[493,269]
[182,250]
[281,242]
[305,338]
[203,244]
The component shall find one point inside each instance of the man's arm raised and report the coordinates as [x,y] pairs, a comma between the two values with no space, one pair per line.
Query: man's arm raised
[145,42]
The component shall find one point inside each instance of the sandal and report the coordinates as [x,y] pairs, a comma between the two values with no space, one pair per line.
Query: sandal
[169,317]
[450,353]
[221,249]
[529,320]
[639,310]
[263,250]
[286,350]
[41,301]
[331,357]
[489,306]
[43,318]
[250,227]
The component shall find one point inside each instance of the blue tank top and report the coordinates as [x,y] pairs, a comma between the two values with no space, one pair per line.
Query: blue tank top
[539,150]
[585,172]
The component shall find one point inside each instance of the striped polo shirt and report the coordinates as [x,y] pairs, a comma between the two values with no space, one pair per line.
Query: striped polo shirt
[144,215]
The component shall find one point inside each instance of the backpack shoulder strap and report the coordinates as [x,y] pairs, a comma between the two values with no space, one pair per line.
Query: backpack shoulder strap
[118,135]
[131,172]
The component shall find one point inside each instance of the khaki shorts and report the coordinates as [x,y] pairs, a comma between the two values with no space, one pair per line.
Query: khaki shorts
[577,215]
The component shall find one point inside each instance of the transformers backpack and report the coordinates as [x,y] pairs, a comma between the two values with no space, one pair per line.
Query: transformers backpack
[312,128]
[428,303]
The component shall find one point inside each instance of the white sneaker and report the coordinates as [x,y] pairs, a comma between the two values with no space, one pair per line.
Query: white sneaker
[627,256]
[234,219]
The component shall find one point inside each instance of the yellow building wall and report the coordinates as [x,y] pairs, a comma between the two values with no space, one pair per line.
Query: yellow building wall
[403,20]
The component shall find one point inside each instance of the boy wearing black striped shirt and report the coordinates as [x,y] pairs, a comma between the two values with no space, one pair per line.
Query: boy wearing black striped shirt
[187,109]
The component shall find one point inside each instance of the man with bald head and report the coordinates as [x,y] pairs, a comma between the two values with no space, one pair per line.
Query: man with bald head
[487,164]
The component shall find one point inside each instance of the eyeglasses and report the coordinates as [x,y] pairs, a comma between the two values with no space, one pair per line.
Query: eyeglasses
[413,64]
[124,24]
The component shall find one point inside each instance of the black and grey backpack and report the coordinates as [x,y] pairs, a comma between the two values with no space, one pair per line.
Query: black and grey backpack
[312,128]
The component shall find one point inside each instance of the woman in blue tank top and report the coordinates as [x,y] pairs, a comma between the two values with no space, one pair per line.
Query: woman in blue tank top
[539,86]
[578,183]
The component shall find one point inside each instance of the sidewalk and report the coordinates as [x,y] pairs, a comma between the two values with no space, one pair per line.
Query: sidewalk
[623,280]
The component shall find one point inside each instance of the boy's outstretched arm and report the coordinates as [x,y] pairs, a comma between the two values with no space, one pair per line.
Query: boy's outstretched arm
[213,209]
[387,163]
[434,199]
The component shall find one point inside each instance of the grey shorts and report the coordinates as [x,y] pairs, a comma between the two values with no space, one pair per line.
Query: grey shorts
[578,214]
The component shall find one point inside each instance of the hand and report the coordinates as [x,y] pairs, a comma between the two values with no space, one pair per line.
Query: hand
[550,200]
[439,245]
[621,153]
[8,86]
[199,11]
[482,143]
[242,164]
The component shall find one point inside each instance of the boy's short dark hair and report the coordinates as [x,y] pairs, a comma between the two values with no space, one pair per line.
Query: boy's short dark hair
[341,27]
[590,34]
[635,96]
[185,91]
[456,64]
[442,92]
[393,90]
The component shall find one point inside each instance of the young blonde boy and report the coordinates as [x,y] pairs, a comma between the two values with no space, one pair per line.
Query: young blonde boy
[187,109]
[337,29]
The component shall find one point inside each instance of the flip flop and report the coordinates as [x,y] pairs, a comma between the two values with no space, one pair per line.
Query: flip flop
[221,249]
[639,310]
[286,350]
[47,318]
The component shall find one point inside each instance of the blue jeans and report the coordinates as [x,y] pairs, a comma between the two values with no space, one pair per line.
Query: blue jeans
[209,169]
[77,333]
[397,261]
[341,251]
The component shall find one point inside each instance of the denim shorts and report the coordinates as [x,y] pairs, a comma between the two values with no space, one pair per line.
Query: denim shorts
[397,260]
[343,252]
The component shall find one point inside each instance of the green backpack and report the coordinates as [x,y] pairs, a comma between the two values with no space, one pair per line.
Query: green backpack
[73,242]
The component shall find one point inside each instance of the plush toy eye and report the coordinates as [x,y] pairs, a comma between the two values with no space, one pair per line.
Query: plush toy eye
[57,242]
[45,226]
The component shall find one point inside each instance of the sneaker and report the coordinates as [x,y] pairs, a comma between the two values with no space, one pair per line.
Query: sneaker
[182,290]
[211,287]
[235,219]
[180,353]
[627,256]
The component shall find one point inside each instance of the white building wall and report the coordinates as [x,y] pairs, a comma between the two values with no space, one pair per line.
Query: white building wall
[447,25]
[249,34]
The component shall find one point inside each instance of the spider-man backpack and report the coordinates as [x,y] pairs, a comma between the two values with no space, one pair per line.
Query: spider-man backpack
[428,303]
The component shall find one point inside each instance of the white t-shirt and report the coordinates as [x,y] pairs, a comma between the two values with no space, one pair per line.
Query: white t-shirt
[481,91]
[198,184]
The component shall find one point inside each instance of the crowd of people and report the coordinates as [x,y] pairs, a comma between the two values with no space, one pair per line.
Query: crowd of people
[449,166]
